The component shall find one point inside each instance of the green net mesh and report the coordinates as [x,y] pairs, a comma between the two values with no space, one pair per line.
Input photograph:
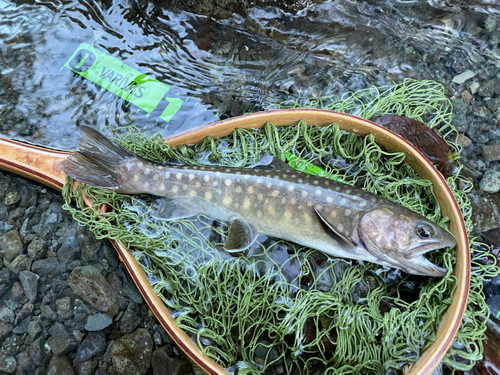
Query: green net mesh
[283,308]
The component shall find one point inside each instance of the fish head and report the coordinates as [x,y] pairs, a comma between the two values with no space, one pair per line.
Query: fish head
[401,237]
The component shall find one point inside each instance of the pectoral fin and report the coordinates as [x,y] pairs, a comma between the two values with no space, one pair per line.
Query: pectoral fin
[177,208]
[240,236]
[344,241]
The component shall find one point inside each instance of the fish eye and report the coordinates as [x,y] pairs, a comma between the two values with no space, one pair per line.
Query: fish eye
[424,231]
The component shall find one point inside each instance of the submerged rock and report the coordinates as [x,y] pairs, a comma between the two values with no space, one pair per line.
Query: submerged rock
[88,283]
[94,343]
[164,363]
[131,354]
[490,182]
[11,245]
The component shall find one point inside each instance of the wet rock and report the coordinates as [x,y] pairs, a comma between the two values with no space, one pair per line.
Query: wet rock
[22,327]
[5,276]
[12,197]
[491,153]
[7,363]
[132,317]
[18,264]
[88,283]
[131,291]
[97,322]
[48,313]
[5,329]
[490,182]
[471,172]
[69,250]
[25,311]
[17,291]
[34,328]
[11,245]
[29,281]
[48,267]
[64,307]
[12,344]
[164,364]
[474,87]
[94,343]
[461,78]
[266,352]
[60,341]
[131,354]
[60,365]
[486,89]
[485,209]
[37,249]
[463,140]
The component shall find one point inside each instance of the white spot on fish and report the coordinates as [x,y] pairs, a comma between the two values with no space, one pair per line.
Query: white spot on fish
[238,189]
[275,193]
[246,203]
[271,210]
[362,203]
[140,164]
[343,202]
[227,200]
[317,192]
[238,173]
[250,189]
[307,218]
[337,188]
[156,177]
[304,194]
[333,214]
[259,213]
[293,176]
[260,197]
[167,174]
[136,177]
[147,171]
[259,180]
[189,166]
[315,182]
[290,187]
[329,199]
[191,177]
[162,186]
[206,178]
[178,176]
[198,184]
[348,212]
[184,187]
[340,227]
[175,189]
[287,215]
[284,175]
[300,180]
[246,177]
[192,193]
[227,182]
[348,191]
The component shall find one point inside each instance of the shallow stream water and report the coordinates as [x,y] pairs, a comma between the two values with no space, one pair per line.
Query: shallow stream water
[220,59]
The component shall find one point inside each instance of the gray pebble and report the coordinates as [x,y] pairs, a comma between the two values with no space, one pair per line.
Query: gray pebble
[461,78]
[88,283]
[5,329]
[163,363]
[60,342]
[7,363]
[60,365]
[131,354]
[132,317]
[94,343]
[29,280]
[37,249]
[490,182]
[491,153]
[64,307]
[11,245]
[12,197]
[97,322]
[48,267]
[18,264]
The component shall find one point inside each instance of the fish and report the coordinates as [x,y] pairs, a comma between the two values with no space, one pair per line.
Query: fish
[275,200]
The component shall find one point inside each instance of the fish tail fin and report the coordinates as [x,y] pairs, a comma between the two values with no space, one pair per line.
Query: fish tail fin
[97,160]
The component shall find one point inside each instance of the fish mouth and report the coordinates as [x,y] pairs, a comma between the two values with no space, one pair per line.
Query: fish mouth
[422,266]
[416,263]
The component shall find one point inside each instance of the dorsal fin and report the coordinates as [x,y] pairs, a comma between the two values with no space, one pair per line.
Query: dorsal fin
[344,241]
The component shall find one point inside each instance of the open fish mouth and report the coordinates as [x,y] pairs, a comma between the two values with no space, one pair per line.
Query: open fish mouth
[415,260]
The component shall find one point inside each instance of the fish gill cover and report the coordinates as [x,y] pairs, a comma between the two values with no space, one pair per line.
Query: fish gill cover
[284,308]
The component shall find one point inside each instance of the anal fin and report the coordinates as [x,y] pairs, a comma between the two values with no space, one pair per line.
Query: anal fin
[240,236]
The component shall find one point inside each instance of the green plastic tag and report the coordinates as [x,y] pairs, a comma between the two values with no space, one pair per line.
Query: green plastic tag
[135,87]
[306,167]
